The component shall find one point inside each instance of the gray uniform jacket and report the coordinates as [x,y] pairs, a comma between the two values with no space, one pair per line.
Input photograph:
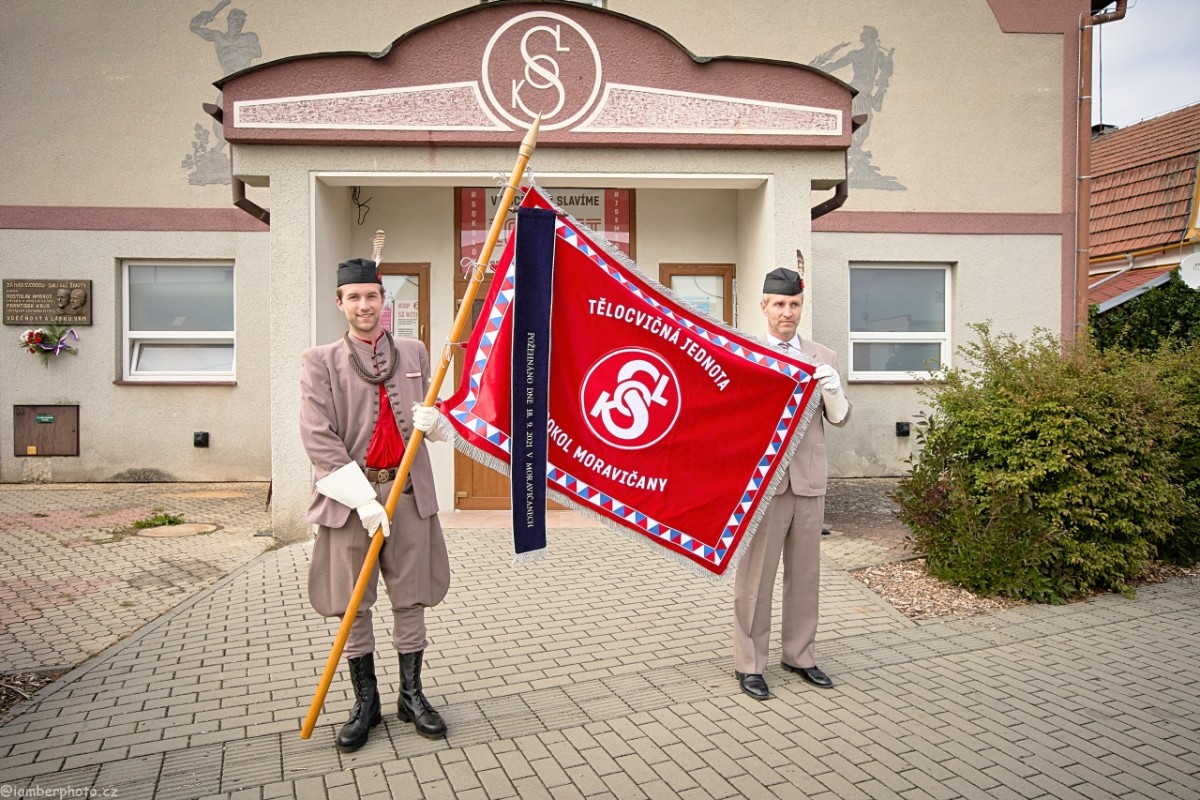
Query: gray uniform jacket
[338,412]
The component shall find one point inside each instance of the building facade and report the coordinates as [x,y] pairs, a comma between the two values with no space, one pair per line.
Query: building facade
[916,161]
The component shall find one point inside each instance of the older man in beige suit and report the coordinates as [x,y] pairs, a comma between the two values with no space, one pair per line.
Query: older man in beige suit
[360,399]
[791,530]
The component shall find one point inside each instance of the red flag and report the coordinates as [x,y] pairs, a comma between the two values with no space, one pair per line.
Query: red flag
[665,423]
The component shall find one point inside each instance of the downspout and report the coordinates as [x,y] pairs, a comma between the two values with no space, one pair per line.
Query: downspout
[246,204]
[842,190]
[1083,192]
[840,193]
[239,186]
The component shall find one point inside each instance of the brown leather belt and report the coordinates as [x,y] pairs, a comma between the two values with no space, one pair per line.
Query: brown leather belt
[380,475]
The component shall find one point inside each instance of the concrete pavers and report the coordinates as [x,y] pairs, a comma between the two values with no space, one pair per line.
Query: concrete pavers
[74,579]
[599,673]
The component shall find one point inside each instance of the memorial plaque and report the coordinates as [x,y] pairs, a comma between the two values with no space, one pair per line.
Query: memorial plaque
[38,302]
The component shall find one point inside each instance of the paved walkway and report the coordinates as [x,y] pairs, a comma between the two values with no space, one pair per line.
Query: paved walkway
[75,577]
[596,674]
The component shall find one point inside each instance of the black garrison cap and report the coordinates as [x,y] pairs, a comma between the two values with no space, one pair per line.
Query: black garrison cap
[358,270]
[783,281]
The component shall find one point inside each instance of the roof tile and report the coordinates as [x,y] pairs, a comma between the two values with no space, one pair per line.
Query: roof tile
[1123,283]
[1143,183]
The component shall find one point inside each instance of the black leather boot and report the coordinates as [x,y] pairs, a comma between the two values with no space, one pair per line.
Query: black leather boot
[413,706]
[367,711]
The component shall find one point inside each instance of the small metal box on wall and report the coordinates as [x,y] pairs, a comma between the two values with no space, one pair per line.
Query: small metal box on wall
[45,431]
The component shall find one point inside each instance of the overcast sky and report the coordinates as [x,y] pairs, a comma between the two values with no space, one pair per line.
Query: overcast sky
[1151,62]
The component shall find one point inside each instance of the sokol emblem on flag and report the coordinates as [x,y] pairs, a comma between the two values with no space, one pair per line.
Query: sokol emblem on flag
[663,422]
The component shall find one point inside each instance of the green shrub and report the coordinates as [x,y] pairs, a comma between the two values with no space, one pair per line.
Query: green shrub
[1170,312]
[1043,473]
[1166,321]
[1179,373]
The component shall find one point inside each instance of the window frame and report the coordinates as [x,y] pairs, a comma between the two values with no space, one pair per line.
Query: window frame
[726,272]
[900,337]
[133,341]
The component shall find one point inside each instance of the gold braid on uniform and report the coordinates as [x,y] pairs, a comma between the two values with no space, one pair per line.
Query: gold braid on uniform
[362,372]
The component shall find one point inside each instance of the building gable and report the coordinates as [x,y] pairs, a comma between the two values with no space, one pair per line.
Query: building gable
[597,77]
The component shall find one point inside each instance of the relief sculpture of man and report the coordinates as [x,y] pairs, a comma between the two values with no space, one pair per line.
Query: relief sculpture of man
[872,66]
[236,48]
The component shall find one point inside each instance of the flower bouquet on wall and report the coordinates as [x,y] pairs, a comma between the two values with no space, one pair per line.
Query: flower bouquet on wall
[49,342]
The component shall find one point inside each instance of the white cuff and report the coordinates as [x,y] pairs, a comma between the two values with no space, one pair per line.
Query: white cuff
[347,485]
[836,406]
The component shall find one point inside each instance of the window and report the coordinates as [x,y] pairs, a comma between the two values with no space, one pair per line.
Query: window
[406,300]
[706,287]
[178,322]
[899,321]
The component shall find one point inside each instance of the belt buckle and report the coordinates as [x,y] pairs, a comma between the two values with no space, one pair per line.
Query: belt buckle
[383,475]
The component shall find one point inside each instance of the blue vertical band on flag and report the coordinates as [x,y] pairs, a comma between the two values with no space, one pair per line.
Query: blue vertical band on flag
[534,256]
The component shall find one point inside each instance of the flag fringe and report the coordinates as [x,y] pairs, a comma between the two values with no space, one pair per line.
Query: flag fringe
[446,430]
[482,456]
[521,559]
[781,473]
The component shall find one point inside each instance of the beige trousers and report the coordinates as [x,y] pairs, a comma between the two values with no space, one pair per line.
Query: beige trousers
[791,533]
[415,567]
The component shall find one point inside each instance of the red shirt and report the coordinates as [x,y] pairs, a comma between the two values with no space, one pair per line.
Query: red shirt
[387,445]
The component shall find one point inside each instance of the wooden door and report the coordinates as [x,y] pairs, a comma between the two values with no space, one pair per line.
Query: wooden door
[476,487]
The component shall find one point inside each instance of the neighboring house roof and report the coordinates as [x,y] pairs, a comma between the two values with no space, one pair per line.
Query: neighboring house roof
[1144,184]
[1110,293]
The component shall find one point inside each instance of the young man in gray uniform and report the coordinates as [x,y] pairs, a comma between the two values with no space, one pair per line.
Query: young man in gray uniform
[360,399]
[791,530]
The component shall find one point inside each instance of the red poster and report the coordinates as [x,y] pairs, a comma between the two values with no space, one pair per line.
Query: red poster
[605,211]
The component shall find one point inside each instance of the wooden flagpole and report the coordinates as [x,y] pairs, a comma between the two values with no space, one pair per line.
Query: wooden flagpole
[528,144]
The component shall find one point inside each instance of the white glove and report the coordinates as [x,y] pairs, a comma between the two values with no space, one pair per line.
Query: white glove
[425,419]
[349,486]
[836,404]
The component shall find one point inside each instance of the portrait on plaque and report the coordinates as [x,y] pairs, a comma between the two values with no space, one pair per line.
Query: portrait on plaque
[47,302]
